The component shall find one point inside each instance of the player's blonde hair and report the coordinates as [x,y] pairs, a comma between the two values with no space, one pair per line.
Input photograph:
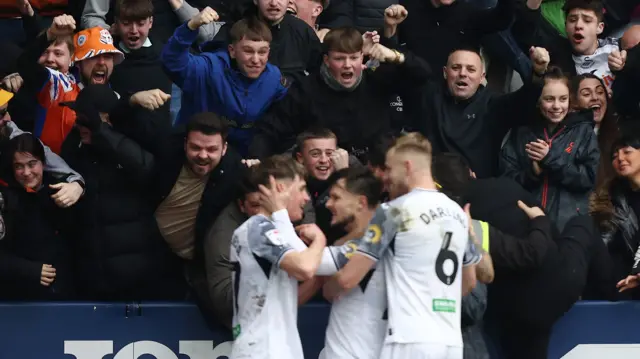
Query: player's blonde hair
[413,142]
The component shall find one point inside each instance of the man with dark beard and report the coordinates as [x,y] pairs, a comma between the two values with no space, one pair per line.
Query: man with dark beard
[354,196]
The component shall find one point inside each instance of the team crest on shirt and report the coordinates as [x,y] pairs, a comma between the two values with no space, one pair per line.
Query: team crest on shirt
[274,237]
[374,233]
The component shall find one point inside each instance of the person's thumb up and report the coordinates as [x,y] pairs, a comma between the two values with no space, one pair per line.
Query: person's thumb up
[532,212]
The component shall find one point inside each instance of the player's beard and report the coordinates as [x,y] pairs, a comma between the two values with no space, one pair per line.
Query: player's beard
[345,223]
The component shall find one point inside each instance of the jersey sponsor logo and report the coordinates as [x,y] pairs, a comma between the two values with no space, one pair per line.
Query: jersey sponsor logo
[196,349]
[274,237]
[444,305]
[374,233]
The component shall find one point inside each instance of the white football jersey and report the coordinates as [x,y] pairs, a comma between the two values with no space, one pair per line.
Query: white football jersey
[265,311]
[423,240]
[598,63]
[265,296]
[356,325]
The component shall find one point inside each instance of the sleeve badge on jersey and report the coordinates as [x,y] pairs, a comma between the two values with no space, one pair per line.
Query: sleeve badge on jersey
[274,237]
[352,247]
[373,235]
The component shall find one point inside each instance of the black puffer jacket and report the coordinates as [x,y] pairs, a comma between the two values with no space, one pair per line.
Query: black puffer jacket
[37,232]
[568,170]
[121,254]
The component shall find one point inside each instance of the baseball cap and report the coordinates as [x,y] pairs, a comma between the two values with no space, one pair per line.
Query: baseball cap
[5,96]
[93,42]
[99,98]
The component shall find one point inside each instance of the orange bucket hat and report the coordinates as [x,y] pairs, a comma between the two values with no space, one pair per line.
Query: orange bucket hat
[93,42]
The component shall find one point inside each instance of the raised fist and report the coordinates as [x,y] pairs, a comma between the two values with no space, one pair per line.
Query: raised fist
[395,15]
[382,53]
[63,25]
[204,17]
[617,60]
[151,99]
[13,82]
[540,58]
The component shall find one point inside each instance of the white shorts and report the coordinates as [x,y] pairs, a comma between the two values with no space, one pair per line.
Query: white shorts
[420,351]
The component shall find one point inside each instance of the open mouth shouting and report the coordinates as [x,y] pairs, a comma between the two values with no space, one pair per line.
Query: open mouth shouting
[597,111]
[461,85]
[99,76]
[347,76]
[133,39]
[578,38]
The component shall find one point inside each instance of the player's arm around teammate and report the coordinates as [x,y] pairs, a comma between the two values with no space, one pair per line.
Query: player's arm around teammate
[370,248]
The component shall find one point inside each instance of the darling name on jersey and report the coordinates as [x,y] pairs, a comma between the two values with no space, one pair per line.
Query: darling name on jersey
[439,213]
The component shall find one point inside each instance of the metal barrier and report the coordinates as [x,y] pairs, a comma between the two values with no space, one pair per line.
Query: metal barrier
[177,331]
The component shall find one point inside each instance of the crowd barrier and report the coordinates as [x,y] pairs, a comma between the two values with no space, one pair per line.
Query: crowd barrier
[177,331]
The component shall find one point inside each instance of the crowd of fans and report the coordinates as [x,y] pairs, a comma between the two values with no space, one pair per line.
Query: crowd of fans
[130,129]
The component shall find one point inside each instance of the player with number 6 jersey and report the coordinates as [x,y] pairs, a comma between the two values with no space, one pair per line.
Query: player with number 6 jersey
[422,239]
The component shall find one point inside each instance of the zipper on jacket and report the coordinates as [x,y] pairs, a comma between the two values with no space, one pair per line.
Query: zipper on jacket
[545,183]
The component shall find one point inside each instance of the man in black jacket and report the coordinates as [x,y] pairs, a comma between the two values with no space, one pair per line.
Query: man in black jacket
[121,253]
[464,117]
[141,68]
[195,178]
[351,102]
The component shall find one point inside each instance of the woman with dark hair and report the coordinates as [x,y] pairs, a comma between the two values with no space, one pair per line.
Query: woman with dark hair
[34,254]
[589,92]
[556,158]
[615,206]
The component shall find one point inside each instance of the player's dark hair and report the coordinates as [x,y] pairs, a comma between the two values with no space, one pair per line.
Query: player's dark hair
[281,167]
[451,171]
[360,181]
[377,154]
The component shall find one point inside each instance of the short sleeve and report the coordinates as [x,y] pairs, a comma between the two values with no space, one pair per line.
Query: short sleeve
[265,241]
[379,235]
[471,254]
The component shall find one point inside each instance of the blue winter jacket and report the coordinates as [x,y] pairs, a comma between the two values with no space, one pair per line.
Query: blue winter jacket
[210,83]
